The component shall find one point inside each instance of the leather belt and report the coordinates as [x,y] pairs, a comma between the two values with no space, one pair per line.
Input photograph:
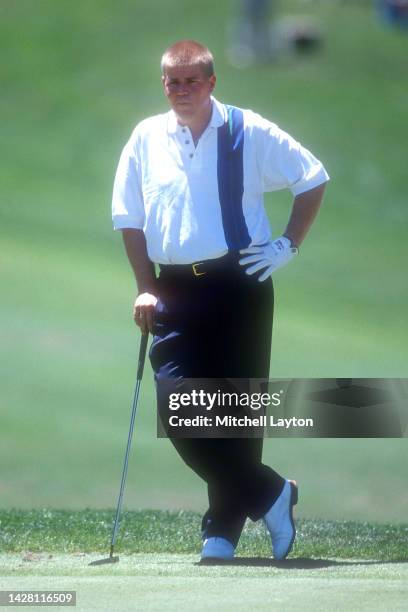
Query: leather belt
[200,269]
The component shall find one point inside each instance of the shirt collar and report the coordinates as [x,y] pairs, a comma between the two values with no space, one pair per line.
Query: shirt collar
[218,117]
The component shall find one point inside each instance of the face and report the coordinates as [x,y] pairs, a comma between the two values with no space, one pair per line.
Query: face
[188,90]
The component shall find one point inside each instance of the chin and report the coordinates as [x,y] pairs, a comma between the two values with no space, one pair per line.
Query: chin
[184,113]
[185,107]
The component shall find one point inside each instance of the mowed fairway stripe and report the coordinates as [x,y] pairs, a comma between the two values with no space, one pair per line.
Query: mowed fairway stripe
[170,582]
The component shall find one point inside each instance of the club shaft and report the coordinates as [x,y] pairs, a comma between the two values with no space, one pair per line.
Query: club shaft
[142,355]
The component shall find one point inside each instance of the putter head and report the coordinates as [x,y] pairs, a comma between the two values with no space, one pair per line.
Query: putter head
[105,561]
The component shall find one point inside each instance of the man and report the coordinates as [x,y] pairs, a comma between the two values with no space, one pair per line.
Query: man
[188,196]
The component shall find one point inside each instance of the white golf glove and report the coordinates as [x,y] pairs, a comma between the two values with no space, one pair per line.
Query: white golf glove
[271,256]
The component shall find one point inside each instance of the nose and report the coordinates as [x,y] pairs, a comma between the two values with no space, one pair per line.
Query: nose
[182,89]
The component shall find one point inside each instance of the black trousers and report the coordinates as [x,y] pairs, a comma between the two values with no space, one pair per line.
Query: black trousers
[217,325]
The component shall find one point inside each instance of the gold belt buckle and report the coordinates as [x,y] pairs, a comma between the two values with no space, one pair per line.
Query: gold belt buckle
[195,271]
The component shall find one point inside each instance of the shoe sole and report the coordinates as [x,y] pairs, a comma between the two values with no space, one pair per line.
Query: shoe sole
[294,496]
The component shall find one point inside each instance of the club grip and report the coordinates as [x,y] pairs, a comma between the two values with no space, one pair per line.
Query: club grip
[142,356]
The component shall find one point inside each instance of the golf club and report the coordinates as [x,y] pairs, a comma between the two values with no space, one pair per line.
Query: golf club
[140,366]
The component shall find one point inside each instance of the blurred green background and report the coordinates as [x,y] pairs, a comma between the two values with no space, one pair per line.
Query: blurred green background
[75,78]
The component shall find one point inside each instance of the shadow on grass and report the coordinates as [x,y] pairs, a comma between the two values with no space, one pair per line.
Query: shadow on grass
[300,563]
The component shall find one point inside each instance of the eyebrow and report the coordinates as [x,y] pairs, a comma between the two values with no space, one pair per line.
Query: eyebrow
[188,78]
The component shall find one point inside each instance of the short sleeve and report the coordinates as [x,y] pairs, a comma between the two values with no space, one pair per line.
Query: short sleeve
[287,164]
[127,199]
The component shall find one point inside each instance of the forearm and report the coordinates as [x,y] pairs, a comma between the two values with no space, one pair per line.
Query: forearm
[136,250]
[305,208]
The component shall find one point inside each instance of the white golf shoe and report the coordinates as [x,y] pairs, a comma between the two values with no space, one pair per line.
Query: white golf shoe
[217,548]
[279,520]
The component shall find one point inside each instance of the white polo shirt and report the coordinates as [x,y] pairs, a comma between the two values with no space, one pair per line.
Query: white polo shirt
[178,195]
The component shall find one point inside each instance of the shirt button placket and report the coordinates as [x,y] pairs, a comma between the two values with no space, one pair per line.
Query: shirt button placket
[187,142]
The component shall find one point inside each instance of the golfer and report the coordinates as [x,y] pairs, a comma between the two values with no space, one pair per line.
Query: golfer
[188,196]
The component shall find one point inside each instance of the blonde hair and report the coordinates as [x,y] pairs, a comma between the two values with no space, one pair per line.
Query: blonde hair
[188,53]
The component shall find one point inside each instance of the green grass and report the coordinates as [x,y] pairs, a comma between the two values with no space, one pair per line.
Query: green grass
[176,582]
[150,531]
[354,566]
[75,79]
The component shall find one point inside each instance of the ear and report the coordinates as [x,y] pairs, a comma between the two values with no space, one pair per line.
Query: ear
[213,80]
[163,80]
